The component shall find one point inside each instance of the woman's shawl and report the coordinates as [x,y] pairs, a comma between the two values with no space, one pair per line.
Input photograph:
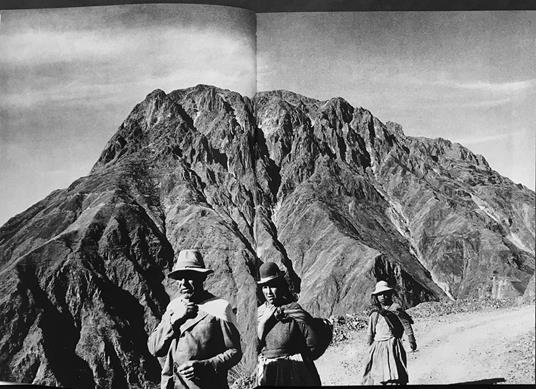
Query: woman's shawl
[317,332]
[292,311]
[397,319]
[392,320]
[404,316]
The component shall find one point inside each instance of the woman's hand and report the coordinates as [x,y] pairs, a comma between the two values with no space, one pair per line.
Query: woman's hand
[412,342]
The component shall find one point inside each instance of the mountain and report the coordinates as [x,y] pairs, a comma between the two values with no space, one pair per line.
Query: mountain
[335,196]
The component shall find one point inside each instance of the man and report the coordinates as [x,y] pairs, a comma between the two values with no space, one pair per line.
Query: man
[197,341]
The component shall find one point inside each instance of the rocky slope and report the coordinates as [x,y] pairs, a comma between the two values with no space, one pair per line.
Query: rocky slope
[335,196]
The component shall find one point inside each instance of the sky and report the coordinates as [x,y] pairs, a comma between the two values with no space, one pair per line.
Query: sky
[69,77]
[469,77]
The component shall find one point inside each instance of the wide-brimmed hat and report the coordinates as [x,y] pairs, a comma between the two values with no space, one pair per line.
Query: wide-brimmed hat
[189,260]
[381,286]
[269,271]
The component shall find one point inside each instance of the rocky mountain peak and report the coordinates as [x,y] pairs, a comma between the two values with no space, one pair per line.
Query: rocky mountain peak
[455,151]
[336,112]
[395,128]
[157,94]
[150,125]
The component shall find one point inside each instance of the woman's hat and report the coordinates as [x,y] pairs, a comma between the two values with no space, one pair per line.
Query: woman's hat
[268,272]
[189,260]
[381,286]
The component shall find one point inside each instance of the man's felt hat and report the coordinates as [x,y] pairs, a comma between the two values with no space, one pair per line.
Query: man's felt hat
[188,261]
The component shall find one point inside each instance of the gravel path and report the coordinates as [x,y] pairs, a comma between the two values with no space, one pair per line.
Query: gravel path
[483,346]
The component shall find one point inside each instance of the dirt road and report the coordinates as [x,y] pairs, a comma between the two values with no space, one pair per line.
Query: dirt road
[487,345]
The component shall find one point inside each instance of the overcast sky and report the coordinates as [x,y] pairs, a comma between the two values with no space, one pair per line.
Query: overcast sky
[469,77]
[69,77]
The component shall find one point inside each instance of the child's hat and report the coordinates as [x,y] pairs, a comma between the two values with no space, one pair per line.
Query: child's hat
[381,286]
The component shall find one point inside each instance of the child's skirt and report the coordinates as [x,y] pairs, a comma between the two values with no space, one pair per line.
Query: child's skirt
[386,363]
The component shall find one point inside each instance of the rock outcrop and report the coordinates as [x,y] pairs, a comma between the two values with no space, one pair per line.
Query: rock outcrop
[530,292]
[336,197]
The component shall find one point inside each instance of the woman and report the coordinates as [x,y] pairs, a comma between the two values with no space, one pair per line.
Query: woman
[287,343]
[387,363]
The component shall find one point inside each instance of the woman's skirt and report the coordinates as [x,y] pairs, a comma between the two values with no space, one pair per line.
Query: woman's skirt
[386,363]
[290,370]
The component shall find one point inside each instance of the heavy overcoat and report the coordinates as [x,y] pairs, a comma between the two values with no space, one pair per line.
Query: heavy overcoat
[211,337]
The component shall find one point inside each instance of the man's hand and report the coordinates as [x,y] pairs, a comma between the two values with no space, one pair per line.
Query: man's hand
[190,370]
[181,309]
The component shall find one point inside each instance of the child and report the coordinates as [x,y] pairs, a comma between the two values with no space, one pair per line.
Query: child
[387,363]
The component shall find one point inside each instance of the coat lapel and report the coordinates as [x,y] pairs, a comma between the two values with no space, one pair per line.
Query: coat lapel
[188,324]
